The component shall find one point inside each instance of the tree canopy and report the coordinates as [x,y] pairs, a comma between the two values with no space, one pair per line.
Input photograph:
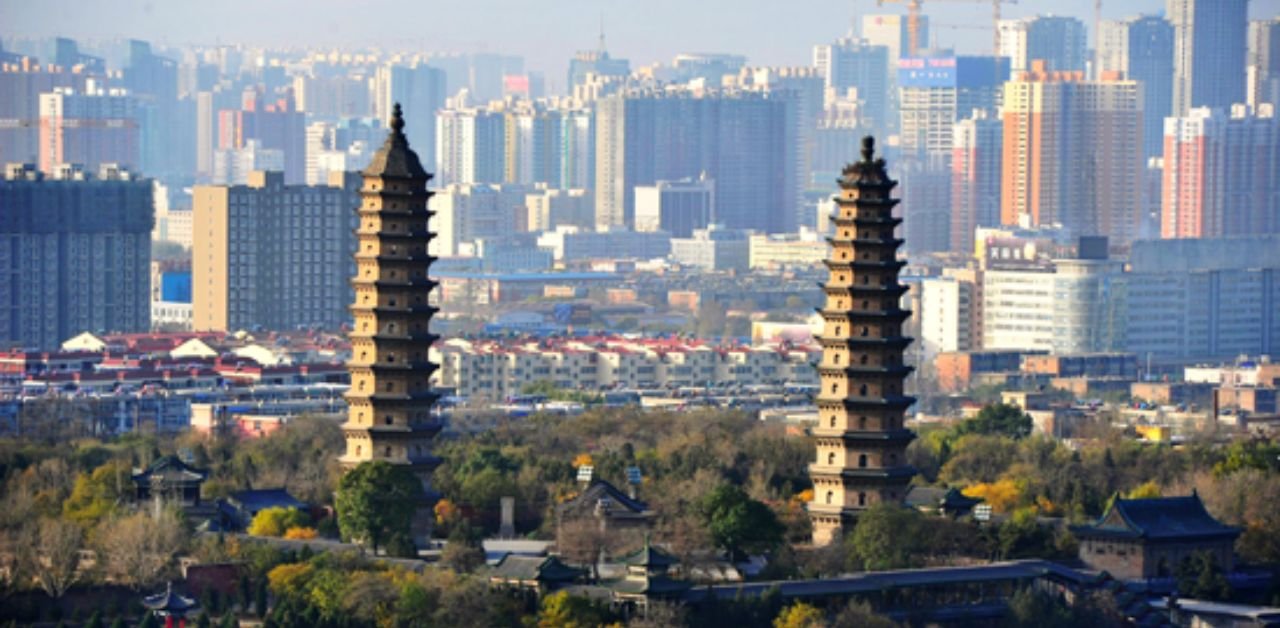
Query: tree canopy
[376,501]
[739,524]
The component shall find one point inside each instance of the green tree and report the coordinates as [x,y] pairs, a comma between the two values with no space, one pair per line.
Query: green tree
[95,621]
[739,524]
[1201,577]
[1258,453]
[276,521]
[203,621]
[886,536]
[375,501]
[260,599]
[999,419]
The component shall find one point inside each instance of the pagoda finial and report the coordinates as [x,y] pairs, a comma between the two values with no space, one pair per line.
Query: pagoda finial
[868,149]
[397,118]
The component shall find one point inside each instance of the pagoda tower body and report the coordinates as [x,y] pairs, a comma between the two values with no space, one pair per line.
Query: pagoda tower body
[390,401]
[860,438]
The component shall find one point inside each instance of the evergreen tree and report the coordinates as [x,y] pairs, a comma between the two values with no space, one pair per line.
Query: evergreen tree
[260,599]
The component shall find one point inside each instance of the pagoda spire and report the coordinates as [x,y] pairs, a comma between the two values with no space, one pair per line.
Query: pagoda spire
[860,438]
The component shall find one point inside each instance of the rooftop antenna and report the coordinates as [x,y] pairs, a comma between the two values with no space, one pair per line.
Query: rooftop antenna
[602,31]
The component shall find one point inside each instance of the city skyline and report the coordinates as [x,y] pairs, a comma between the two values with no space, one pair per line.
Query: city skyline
[645,33]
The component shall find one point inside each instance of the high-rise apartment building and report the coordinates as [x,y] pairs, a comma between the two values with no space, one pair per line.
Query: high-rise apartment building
[946,307]
[273,255]
[934,93]
[1264,62]
[277,126]
[856,64]
[676,207]
[470,146]
[976,152]
[1060,41]
[420,90]
[328,97]
[801,92]
[343,146]
[75,253]
[938,91]
[597,62]
[860,438]
[95,127]
[1219,173]
[736,138]
[21,83]
[390,401]
[1142,49]
[1210,40]
[549,208]
[891,31]
[1072,153]
[467,212]
[233,166]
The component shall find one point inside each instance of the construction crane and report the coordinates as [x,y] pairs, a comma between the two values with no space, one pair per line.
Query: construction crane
[916,7]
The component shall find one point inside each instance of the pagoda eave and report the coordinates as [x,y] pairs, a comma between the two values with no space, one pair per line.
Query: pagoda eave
[857,403]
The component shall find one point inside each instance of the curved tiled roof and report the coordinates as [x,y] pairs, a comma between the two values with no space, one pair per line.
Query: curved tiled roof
[1159,518]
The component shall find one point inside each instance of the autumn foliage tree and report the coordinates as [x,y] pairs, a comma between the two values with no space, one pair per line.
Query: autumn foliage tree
[276,521]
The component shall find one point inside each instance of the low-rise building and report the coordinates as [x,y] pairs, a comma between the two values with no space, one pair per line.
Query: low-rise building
[713,249]
[778,251]
[1144,539]
[495,369]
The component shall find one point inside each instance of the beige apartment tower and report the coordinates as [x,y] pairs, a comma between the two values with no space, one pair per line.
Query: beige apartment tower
[860,437]
[267,255]
[1072,153]
[390,401]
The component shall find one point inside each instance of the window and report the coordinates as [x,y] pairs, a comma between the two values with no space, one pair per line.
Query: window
[862,499]
[862,390]
[830,496]
[831,459]
[862,422]
[388,419]
[833,421]
[862,461]
[388,452]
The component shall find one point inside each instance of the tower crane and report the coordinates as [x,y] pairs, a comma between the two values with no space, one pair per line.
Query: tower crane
[916,7]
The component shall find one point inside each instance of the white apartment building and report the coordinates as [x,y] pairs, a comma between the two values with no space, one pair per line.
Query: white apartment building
[803,249]
[495,370]
[946,308]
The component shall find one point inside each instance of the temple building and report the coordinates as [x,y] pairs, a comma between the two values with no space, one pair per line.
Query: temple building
[1141,539]
[860,438]
[390,401]
[169,479]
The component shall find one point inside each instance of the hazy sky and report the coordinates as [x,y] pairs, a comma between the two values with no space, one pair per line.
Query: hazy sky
[545,32]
